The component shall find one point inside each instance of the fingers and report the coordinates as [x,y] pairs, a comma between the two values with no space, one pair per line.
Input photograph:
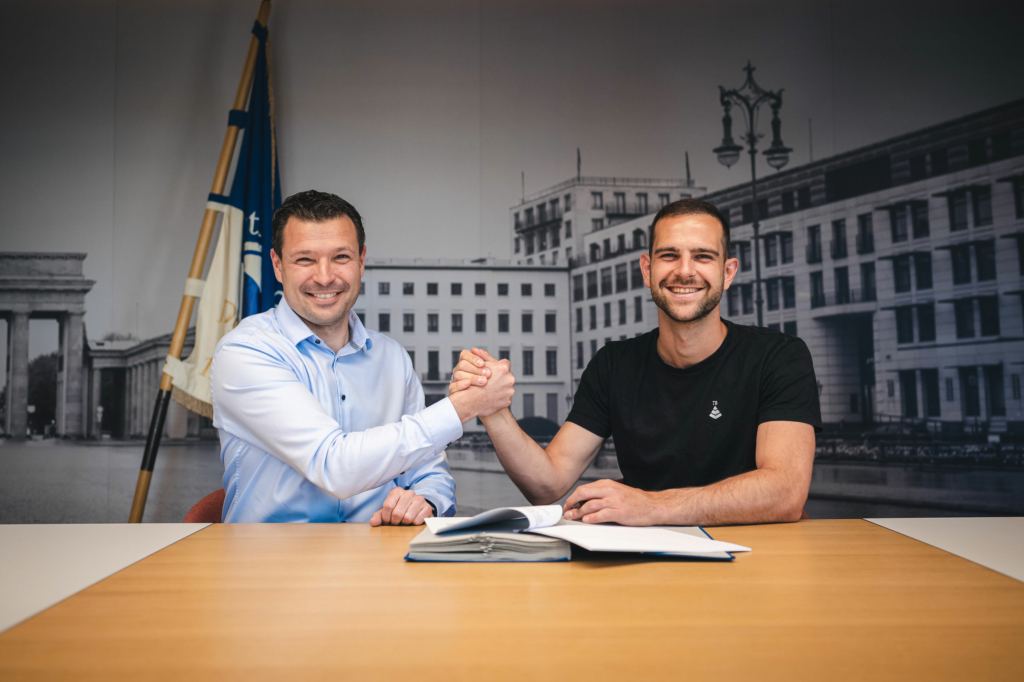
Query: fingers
[473,379]
[375,519]
[481,353]
[470,362]
[606,515]
[425,513]
[387,509]
[584,493]
[456,386]
[402,507]
[589,507]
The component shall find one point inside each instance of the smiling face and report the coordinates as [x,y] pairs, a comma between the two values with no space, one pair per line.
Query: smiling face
[320,268]
[687,270]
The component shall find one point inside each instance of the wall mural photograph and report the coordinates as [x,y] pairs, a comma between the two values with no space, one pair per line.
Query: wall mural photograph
[507,160]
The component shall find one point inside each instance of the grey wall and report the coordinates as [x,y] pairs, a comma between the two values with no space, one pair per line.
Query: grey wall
[425,113]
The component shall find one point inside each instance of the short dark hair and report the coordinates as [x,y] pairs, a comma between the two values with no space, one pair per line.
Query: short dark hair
[314,207]
[691,207]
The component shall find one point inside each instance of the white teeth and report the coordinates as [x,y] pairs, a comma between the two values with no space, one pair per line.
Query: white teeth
[677,290]
[324,295]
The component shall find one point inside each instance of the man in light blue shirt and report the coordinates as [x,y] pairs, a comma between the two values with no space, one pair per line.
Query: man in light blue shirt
[319,418]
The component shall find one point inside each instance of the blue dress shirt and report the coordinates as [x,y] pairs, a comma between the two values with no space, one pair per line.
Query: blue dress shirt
[311,435]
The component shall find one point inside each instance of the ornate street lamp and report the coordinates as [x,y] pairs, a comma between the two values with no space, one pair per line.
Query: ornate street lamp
[749,98]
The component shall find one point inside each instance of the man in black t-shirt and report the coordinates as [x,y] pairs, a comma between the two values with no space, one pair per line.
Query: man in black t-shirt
[713,422]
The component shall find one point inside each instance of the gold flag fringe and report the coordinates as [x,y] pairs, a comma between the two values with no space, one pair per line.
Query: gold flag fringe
[192,403]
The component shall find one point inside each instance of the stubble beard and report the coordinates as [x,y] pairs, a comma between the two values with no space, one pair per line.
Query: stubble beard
[325,318]
[710,301]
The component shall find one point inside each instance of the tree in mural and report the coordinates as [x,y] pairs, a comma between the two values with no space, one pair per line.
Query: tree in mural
[42,391]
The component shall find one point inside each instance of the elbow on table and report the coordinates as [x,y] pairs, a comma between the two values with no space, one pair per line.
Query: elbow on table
[792,509]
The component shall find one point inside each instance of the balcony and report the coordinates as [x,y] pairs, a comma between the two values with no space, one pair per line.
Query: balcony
[814,252]
[540,221]
[850,296]
[865,243]
[625,209]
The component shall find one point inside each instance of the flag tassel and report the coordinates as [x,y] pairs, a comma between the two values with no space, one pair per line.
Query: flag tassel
[220,176]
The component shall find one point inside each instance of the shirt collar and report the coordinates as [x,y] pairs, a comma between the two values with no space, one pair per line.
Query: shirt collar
[296,331]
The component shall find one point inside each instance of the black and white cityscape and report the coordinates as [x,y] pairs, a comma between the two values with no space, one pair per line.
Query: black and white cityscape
[892,244]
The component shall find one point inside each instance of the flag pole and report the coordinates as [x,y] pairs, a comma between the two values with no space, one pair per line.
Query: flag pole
[195,274]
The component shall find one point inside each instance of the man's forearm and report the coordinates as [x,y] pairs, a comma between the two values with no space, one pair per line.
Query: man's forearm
[761,496]
[529,465]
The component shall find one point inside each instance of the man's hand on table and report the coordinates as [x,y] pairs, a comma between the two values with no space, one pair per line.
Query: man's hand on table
[610,501]
[402,508]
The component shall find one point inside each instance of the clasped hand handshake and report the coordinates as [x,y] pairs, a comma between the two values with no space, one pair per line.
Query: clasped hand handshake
[480,385]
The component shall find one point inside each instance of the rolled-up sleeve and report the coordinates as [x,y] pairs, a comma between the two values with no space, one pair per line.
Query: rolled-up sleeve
[259,399]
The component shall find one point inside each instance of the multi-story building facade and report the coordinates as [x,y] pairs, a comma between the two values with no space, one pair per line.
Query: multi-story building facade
[435,309]
[900,264]
[548,227]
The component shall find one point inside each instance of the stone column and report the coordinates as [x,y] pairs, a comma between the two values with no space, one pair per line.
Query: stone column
[73,351]
[95,429]
[17,375]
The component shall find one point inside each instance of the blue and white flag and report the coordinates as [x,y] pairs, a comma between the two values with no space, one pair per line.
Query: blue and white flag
[241,279]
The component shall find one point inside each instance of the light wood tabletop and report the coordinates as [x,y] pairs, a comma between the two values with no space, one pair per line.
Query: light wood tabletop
[816,600]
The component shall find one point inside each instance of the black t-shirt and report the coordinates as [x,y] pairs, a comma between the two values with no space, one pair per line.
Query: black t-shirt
[680,428]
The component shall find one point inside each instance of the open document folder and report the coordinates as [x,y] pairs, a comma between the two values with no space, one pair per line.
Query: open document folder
[541,534]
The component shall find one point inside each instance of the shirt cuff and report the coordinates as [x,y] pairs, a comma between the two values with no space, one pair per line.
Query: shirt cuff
[443,423]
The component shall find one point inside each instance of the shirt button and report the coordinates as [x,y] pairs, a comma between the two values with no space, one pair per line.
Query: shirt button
[318,341]
[342,397]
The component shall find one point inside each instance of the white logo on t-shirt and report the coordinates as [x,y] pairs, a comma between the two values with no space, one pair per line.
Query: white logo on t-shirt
[715,414]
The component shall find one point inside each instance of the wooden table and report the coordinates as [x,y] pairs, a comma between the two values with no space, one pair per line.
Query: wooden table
[817,600]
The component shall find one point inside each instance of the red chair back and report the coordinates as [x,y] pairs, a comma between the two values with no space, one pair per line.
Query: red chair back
[210,509]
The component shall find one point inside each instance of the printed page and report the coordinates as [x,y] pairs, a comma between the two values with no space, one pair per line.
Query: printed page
[530,518]
[608,538]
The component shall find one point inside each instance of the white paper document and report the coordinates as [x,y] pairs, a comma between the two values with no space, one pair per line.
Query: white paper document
[608,538]
[517,518]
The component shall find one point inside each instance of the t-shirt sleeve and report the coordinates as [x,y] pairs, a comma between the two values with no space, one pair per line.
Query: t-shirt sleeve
[789,390]
[590,406]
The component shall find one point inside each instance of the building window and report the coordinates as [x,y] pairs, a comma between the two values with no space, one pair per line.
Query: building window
[549,289]
[596,224]
[431,288]
[503,323]
[803,197]
[961,257]
[747,213]
[813,245]
[481,322]
[940,162]
[528,362]
[638,309]
[988,306]
[786,247]
[551,362]
[838,239]
[901,273]
[433,365]
[593,317]
[480,289]
[408,322]
[789,328]
[567,202]
[608,314]
[456,357]
[568,233]
[898,223]
[788,292]
[579,319]
[890,388]
[432,322]
[362,288]
[621,278]
[747,291]
[964,312]
[817,292]
[969,395]
[622,311]
[977,154]
[641,203]
[456,288]
[957,204]
[592,284]
[842,284]
[926,322]
[918,169]
[607,244]
[930,392]
[771,288]
[923,270]
[865,233]
[788,205]
[919,217]
[994,392]
[908,392]
[528,402]
[981,203]
[517,240]
[503,290]
[985,258]
[527,323]
[663,200]
[384,322]
[745,261]
[949,389]
[362,317]
[636,275]
[579,355]
[542,240]
[606,281]
[577,288]
[596,200]
[526,289]
[408,288]
[504,354]
[549,323]
[867,282]
[593,348]
[905,324]
[384,288]
[771,254]
[1015,386]
[1018,197]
